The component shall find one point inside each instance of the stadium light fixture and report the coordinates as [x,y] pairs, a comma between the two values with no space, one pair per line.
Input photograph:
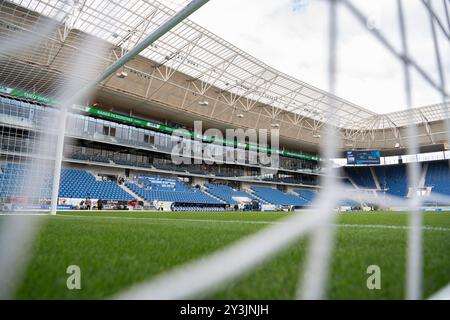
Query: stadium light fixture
[122,74]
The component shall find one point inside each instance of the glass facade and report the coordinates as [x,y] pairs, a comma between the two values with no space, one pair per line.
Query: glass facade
[32,117]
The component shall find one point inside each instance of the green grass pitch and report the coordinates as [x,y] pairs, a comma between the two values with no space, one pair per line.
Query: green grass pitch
[117,249]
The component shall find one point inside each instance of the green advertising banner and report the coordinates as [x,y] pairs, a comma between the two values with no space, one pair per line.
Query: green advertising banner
[27,95]
[148,124]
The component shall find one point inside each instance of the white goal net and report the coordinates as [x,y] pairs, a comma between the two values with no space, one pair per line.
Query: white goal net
[50,50]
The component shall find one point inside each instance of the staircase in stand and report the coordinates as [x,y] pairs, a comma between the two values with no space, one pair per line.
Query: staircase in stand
[130,192]
[205,190]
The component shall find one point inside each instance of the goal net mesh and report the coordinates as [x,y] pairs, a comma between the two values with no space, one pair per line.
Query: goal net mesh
[45,58]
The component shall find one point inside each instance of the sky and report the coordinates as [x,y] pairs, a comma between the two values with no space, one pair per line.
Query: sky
[292,37]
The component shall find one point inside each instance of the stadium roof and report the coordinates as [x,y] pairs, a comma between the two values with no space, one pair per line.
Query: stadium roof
[205,57]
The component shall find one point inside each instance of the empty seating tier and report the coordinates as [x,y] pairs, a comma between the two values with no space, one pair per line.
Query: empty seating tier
[227,193]
[15,181]
[306,194]
[393,180]
[362,176]
[277,197]
[81,184]
[438,177]
[170,190]
[74,183]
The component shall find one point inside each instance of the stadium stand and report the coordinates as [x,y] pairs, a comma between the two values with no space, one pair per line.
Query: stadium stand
[33,116]
[362,176]
[227,193]
[393,180]
[292,180]
[347,183]
[75,183]
[85,157]
[13,177]
[349,203]
[166,189]
[81,184]
[277,197]
[306,194]
[438,177]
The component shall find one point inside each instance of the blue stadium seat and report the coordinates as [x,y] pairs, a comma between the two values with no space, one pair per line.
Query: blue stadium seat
[438,177]
[227,193]
[74,183]
[15,178]
[81,184]
[277,197]
[362,176]
[307,194]
[172,190]
[393,180]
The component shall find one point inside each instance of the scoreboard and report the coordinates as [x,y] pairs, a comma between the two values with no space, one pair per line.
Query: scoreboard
[363,157]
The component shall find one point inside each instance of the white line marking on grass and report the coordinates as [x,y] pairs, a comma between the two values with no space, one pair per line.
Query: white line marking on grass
[382,226]
[172,219]
[346,225]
